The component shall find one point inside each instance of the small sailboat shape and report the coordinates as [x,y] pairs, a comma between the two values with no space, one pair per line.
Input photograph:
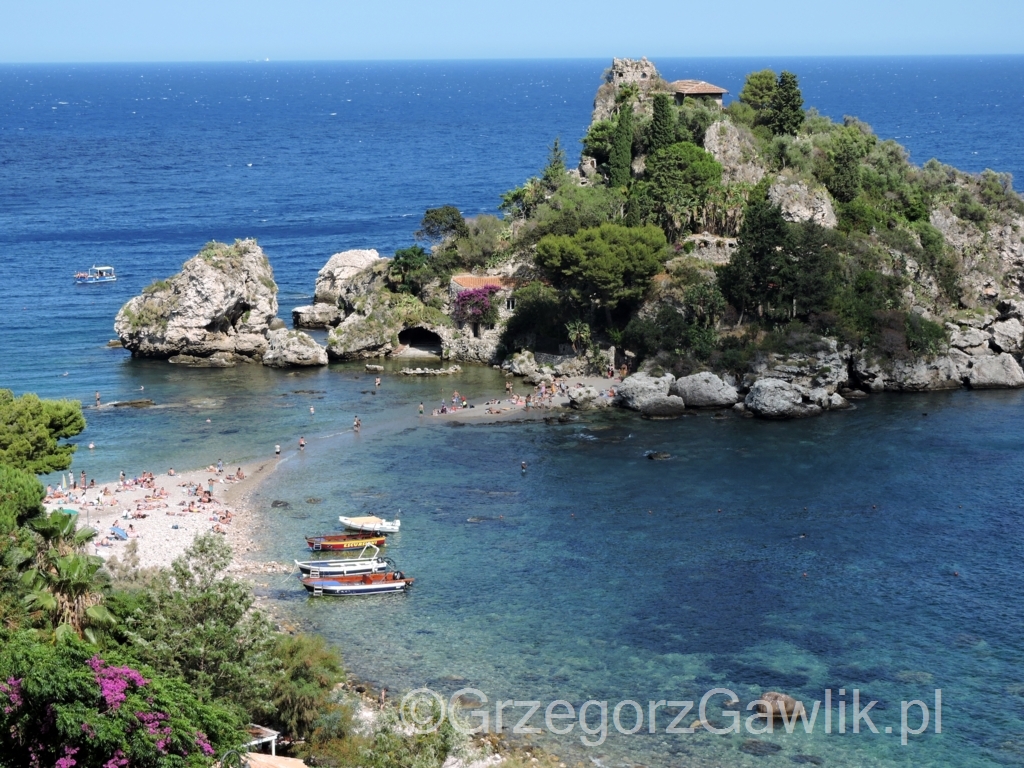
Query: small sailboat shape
[371,524]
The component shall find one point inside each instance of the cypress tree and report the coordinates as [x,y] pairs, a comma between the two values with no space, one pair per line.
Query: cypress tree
[621,156]
[785,111]
[663,124]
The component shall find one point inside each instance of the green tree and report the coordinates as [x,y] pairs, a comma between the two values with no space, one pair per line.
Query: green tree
[758,89]
[63,581]
[681,179]
[579,335]
[752,279]
[785,113]
[407,269]
[21,496]
[554,172]
[310,668]
[522,201]
[30,431]
[195,622]
[440,224]
[620,158]
[849,146]
[537,320]
[604,267]
[663,123]
[599,140]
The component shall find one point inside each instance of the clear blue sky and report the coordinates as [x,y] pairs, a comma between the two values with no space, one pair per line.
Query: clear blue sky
[240,30]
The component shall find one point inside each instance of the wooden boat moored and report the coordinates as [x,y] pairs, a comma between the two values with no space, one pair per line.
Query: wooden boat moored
[371,524]
[366,562]
[367,584]
[336,542]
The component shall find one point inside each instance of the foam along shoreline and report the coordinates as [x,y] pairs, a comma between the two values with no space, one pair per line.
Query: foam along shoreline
[156,514]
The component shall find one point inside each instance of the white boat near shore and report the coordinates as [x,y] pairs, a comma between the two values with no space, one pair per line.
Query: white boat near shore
[368,561]
[371,524]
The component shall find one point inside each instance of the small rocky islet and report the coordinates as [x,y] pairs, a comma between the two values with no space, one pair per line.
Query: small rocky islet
[221,309]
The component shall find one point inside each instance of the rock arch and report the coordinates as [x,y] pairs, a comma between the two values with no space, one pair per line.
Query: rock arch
[419,342]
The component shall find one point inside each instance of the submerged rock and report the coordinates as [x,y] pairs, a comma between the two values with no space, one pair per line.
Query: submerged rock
[293,348]
[222,301]
[663,407]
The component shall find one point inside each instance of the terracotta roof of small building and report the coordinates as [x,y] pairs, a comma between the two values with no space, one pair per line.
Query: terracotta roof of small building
[481,281]
[696,88]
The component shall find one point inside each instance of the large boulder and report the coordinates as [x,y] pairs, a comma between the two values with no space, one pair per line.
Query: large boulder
[778,399]
[775,704]
[800,203]
[995,372]
[222,301]
[663,407]
[293,348]
[334,276]
[586,398]
[1008,335]
[705,390]
[923,375]
[316,316]
[640,388]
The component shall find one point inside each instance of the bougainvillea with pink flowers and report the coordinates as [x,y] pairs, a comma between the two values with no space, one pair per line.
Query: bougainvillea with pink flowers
[476,305]
[66,706]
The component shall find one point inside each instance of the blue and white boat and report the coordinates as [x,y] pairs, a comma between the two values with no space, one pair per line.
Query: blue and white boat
[95,275]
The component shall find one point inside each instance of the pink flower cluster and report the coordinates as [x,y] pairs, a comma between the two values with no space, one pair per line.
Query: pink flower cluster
[12,690]
[117,761]
[473,304]
[114,681]
[203,742]
[157,725]
[68,761]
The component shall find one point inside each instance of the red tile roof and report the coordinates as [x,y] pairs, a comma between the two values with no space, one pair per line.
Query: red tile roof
[481,281]
[696,88]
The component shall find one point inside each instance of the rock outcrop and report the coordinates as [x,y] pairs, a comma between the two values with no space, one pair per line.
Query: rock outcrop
[316,316]
[220,304]
[994,372]
[705,390]
[286,349]
[778,399]
[734,148]
[640,389]
[376,317]
[333,279]
[799,203]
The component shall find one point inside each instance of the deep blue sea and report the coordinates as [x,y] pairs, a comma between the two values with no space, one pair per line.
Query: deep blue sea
[597,574]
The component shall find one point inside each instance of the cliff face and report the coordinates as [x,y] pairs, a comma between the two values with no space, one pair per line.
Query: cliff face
[221,305]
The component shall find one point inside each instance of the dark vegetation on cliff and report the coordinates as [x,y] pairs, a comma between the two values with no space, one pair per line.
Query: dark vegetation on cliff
[616,247]
[118,665]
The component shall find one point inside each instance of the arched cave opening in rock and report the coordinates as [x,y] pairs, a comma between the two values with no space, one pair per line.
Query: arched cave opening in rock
[419,342]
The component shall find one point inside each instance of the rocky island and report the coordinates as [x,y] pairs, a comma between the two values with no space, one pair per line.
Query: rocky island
[757,256]
[219,311]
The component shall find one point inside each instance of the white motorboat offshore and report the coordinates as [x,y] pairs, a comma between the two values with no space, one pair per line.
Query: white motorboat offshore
[371,524]
[95,275]
[367,561]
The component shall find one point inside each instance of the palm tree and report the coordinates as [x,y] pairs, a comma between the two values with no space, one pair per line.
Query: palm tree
[579,335]
[62,580]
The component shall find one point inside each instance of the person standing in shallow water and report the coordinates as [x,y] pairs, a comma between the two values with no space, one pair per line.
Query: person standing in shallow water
[302,443]
[356,424]
[421,409]
[277,450]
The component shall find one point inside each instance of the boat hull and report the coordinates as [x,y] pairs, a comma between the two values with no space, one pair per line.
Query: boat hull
[355,585]
[380,526]
[339,544]
[90,281]
[317,569]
